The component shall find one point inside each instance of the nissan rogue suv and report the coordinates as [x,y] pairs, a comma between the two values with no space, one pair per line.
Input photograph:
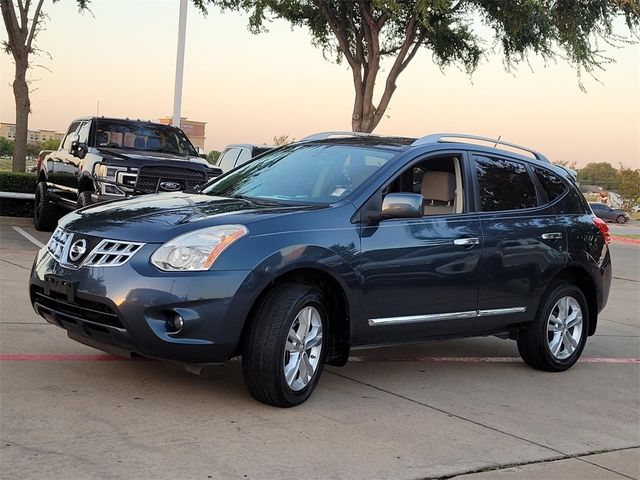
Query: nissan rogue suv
[335,242]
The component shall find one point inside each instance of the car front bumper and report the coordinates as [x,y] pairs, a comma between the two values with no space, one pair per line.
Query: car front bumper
[129,308]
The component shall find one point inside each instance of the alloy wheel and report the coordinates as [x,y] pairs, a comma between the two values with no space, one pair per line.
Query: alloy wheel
[564,327]
[303,347]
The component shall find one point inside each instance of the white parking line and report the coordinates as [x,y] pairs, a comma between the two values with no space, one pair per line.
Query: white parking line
[29,237]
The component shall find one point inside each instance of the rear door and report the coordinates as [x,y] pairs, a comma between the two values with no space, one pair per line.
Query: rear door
[524,242]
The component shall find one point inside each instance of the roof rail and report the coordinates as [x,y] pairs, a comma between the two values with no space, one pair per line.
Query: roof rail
[338,133]
[438,137]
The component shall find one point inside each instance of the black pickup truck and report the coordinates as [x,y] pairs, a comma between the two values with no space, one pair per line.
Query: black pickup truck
[104,159]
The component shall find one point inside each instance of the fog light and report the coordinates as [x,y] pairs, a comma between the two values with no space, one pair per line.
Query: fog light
[176,323]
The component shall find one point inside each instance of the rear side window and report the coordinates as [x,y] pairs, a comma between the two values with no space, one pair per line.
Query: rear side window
[504,185]
[552,185]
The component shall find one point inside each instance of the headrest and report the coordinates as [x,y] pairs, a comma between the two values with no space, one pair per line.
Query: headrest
[440,186]
[138,143]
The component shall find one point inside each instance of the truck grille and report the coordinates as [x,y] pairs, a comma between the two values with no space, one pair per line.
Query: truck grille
[90,311]
[150,179]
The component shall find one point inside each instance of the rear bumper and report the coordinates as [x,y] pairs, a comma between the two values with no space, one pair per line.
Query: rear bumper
[127,309]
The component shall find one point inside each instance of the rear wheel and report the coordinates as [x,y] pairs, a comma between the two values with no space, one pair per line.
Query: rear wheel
[621,219]
[45,213]
[556,339]
[284,351]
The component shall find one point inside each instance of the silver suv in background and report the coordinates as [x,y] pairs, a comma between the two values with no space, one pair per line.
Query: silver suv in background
[237,154]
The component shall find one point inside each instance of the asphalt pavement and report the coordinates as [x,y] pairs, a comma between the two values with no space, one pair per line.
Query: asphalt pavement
[464,408]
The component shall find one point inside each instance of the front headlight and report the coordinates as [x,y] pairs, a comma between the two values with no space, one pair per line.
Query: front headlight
[196,251]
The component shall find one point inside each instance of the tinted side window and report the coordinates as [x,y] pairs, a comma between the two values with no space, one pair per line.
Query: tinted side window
[83,133]
[70,136]
[504,185]
[552,185]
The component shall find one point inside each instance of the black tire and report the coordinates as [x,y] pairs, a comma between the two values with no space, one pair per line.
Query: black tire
[264,346]
[45,213]
[621,219]
[534,342]
[84,199]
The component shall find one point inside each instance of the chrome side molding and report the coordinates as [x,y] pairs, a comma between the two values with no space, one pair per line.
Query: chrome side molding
[433,317]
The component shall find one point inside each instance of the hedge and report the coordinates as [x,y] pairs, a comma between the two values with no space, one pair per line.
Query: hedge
[17,183]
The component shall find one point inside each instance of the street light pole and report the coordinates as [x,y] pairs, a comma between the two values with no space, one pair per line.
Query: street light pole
[177,93]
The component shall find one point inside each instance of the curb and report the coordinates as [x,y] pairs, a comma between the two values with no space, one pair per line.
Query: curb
[631,241]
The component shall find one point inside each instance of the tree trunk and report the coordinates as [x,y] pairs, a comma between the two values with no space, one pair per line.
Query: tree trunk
[23,108]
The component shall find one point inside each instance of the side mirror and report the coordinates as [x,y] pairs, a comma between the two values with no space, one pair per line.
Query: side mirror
[78,149]
[203,155]
[402,205]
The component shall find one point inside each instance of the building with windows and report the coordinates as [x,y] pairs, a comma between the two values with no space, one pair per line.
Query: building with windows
[8,130]
[193,129]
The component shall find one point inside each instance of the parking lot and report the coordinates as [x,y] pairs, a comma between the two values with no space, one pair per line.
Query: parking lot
[431,410]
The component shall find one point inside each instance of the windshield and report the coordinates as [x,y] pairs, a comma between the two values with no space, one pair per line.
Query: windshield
[311,173]
[148,137]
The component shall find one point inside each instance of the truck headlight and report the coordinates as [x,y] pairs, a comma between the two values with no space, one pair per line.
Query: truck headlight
[197,250]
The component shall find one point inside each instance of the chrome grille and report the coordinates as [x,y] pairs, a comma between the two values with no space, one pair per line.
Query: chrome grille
[112,253]
[107,253]
[58,244]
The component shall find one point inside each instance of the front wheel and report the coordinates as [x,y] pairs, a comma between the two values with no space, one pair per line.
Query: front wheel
[556,338]
[45,213]
[621,219]
[285,349]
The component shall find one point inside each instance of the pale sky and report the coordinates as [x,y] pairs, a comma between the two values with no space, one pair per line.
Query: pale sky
[250,88]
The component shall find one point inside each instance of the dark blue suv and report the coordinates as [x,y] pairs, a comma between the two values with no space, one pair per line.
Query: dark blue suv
[335,242]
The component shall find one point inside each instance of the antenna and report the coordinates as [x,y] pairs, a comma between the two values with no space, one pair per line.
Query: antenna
[496,144]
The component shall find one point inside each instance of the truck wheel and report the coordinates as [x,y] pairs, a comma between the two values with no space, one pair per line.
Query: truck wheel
[45,213]
[285,348]
[84,199]
[556,338]
[621,219]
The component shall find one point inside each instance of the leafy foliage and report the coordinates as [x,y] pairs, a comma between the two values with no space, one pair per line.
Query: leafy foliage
[6,147]
[279,140]
[599,173]
[213,156]
[629,186]
[363,32]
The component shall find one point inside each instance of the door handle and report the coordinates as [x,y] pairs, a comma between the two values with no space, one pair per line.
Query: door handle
[467,241]
[552,236]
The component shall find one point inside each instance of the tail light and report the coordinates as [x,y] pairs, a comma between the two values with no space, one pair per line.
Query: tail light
[603,227]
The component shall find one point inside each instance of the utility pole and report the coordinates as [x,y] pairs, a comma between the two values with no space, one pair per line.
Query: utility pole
[177,93]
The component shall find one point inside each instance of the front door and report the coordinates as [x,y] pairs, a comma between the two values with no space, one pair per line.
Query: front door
[421,275]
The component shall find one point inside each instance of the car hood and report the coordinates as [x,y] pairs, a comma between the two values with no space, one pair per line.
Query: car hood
[157,218]
[148,155]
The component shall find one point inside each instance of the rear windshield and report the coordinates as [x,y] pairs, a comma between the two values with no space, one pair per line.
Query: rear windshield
[303,173]
[147,137]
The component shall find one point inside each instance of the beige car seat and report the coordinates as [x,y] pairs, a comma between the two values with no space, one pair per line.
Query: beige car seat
[438,190]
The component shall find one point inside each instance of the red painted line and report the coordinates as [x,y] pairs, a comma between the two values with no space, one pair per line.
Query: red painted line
[632,241]
[632,361]
[25,357]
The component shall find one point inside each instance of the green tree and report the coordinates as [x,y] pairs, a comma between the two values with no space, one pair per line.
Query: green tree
[23,22]
[213,156]
[599,173]
[6,147]
[629,186]
[33,149]
[51,144]
[364,32]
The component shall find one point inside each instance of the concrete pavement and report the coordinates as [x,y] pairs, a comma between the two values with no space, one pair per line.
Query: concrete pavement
[430,410]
